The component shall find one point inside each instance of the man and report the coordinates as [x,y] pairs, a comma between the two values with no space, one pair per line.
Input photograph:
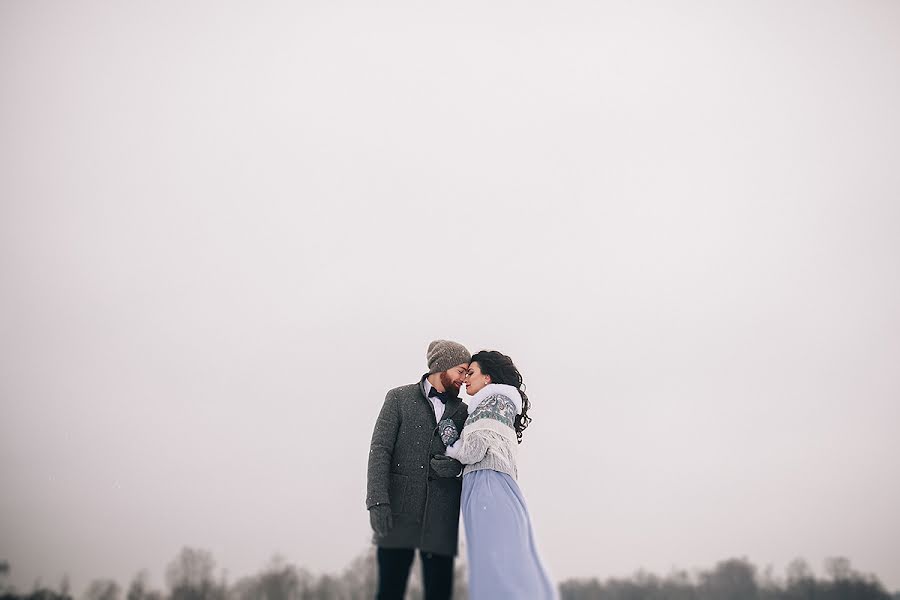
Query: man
[413,490]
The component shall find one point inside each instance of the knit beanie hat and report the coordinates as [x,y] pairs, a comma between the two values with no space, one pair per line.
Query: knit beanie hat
[443,355]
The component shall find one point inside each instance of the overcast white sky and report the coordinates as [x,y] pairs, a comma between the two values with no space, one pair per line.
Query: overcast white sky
[226,229]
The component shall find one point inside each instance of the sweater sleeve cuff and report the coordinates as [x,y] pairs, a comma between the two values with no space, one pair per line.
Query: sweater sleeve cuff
[453,451]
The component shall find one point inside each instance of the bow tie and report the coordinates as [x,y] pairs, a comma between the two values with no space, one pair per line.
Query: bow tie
[442,396]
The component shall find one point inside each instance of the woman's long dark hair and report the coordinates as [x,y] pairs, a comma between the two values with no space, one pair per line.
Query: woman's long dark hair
[500,368]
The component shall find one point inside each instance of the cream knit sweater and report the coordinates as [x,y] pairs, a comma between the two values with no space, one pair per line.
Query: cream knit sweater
[488,439]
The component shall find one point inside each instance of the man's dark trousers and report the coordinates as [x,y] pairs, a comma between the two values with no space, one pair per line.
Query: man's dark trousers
[393,573]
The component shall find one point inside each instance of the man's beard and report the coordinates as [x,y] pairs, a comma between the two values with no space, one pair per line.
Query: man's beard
[449,384]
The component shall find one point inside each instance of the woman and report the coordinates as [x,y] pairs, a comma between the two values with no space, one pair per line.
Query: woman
[503,558]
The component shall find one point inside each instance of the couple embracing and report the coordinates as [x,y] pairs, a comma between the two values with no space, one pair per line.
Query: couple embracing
[432,454]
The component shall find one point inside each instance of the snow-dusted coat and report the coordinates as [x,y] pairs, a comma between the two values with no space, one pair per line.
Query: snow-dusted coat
[424,506]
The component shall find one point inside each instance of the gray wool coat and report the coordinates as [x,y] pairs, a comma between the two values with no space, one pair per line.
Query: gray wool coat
[424,506]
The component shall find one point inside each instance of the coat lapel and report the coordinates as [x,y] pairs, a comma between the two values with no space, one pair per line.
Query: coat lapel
[450,408]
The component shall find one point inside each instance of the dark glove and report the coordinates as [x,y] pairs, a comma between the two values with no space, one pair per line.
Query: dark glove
[381,520]
[445,466]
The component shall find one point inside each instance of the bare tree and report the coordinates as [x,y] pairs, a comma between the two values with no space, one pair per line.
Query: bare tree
[103,589]
[733,579]
[190,577]
[139,589]
[4,574]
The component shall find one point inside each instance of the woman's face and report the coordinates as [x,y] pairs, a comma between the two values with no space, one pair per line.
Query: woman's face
[475,379]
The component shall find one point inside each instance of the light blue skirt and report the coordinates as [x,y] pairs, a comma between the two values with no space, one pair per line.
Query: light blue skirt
[503,560]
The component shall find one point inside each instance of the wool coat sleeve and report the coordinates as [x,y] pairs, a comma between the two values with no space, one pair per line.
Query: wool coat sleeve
[381,451]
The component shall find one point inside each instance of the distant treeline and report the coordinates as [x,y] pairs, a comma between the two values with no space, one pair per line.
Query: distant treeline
[191,576]
[735,579]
